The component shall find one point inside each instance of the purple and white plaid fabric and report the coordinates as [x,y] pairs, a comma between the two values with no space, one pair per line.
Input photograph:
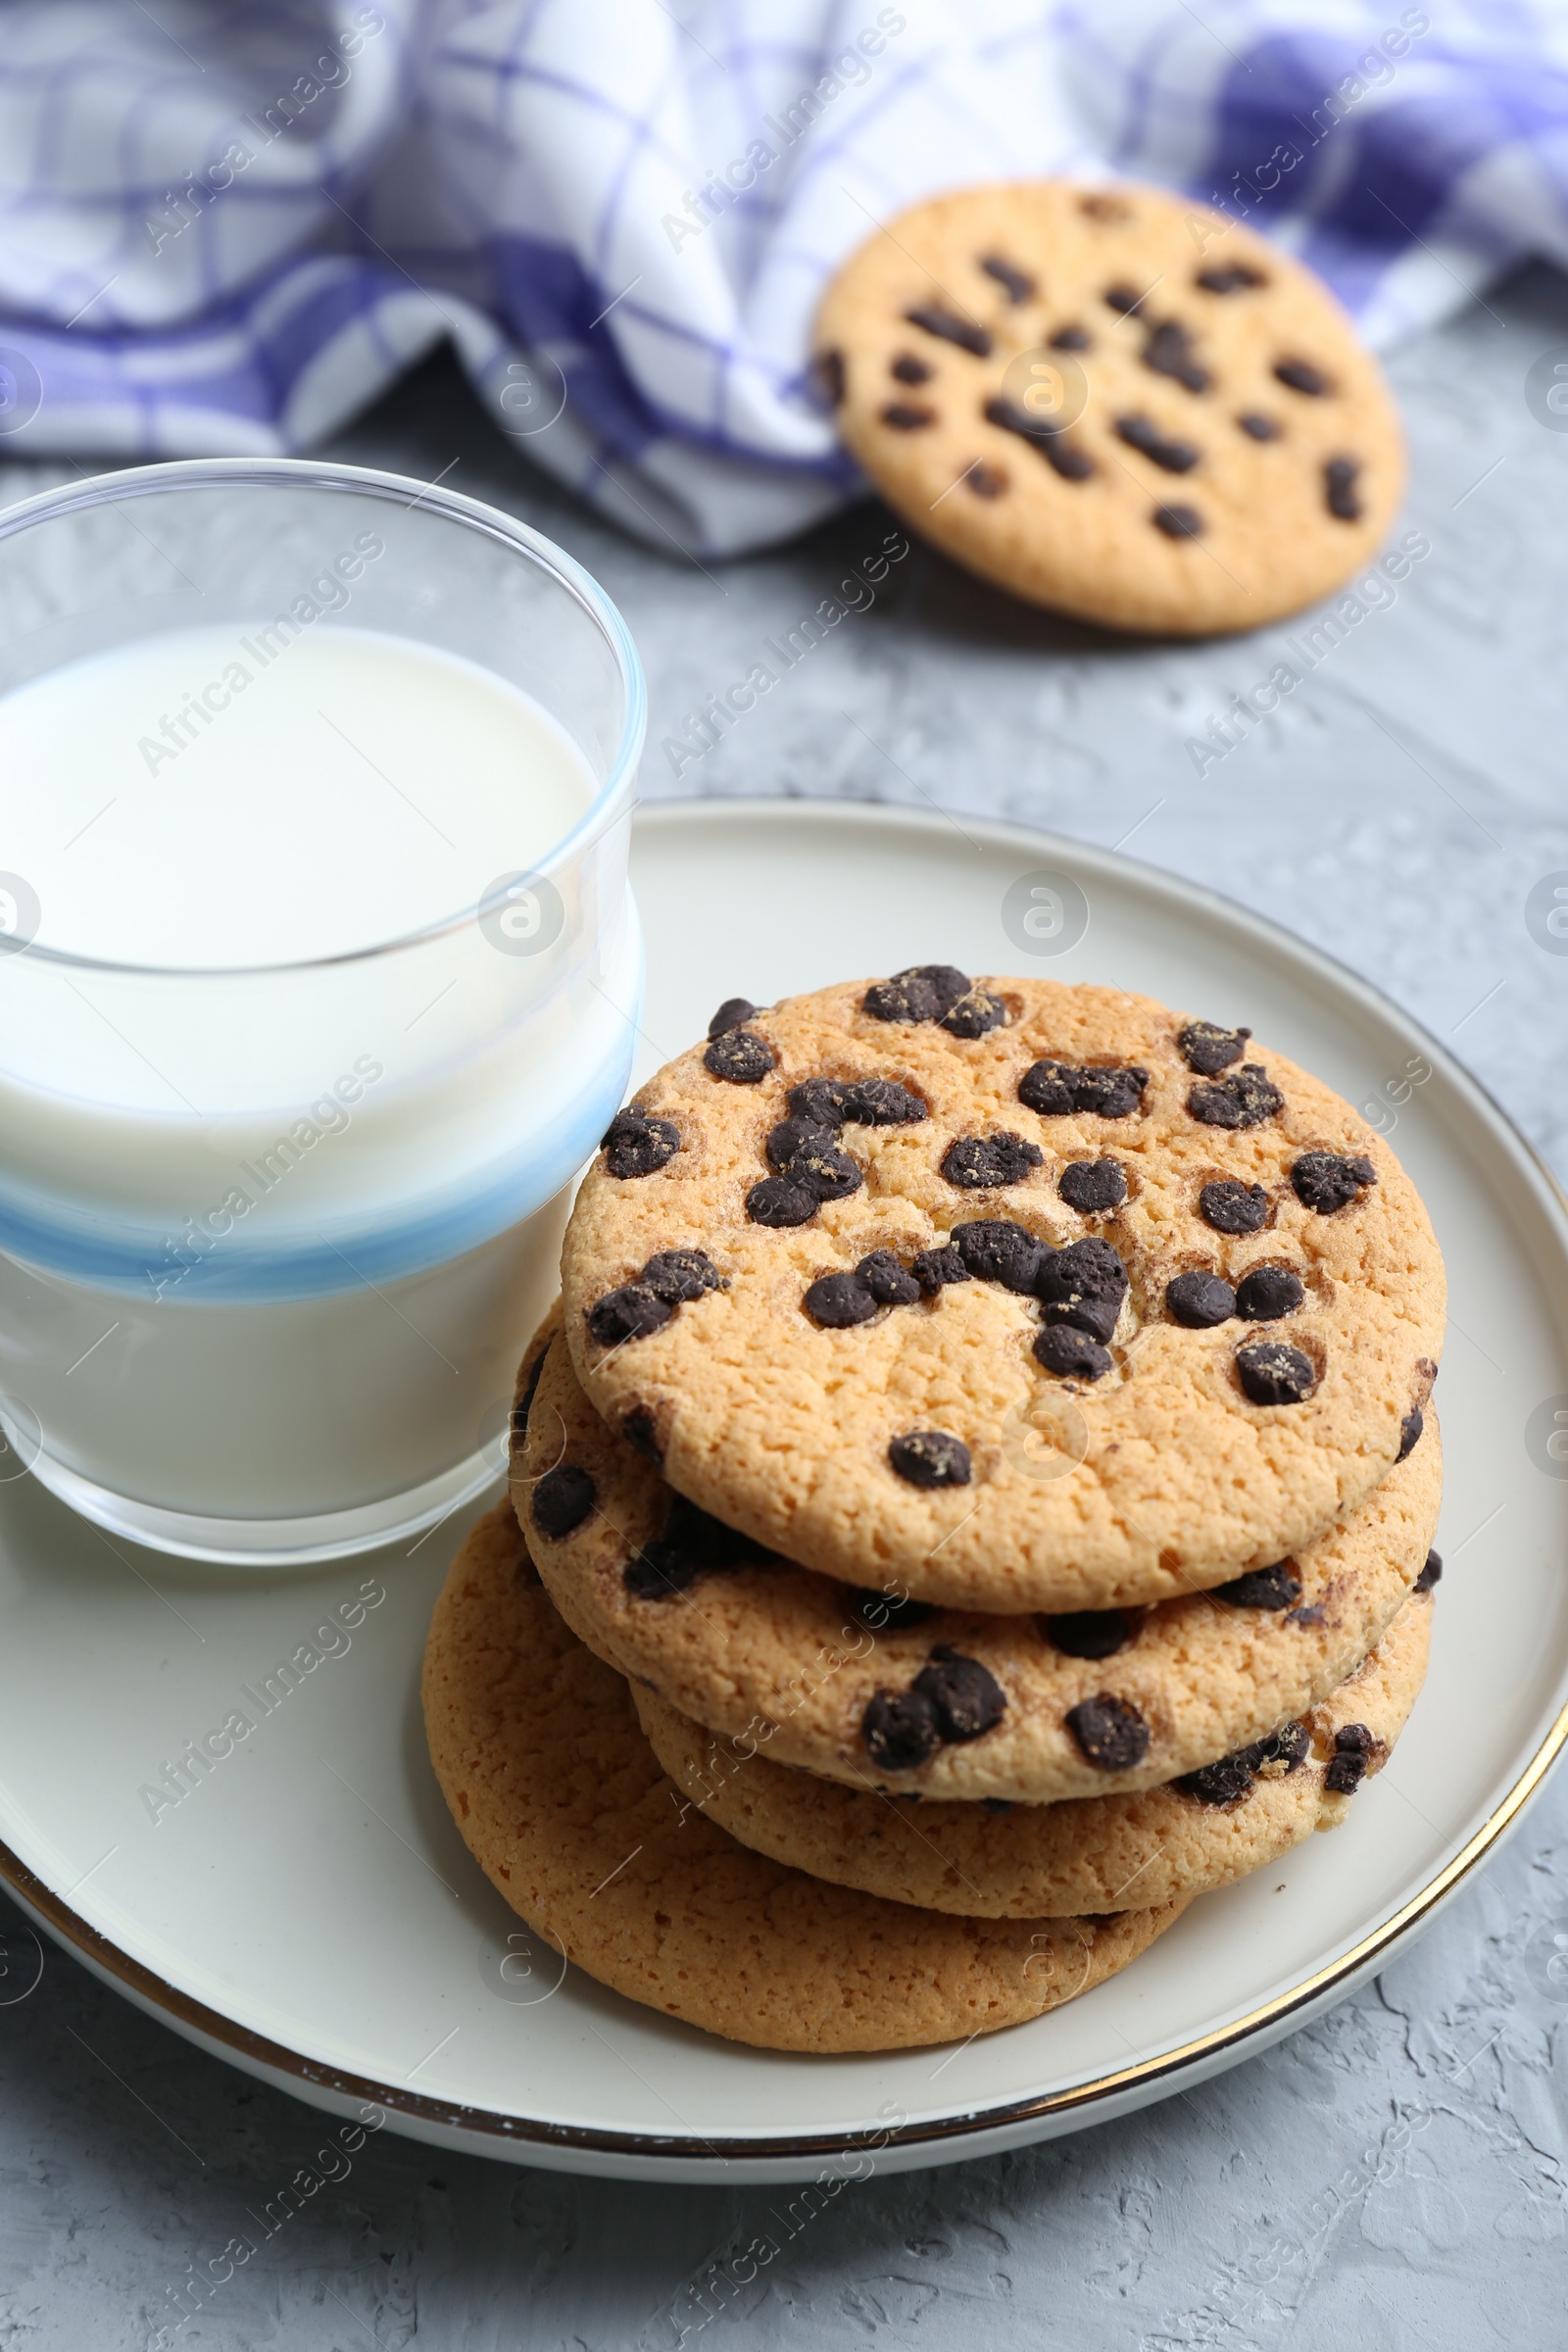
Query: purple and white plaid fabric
[229,229]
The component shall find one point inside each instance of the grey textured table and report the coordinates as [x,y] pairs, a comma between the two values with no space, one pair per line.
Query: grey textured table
[1393,2175]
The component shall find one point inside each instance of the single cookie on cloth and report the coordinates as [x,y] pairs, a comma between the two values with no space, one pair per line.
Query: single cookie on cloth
[1093,1854]
[1023,1294]
[1113,402]
[875,1690]
[559,1799]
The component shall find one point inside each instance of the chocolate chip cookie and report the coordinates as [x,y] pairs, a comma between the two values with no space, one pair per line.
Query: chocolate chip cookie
[1113,402]
[859,1314]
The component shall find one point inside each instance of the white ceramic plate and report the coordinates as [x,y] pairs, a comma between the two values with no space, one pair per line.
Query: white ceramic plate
[308,1909]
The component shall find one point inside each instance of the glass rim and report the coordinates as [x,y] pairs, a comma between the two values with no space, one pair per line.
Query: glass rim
[476,514]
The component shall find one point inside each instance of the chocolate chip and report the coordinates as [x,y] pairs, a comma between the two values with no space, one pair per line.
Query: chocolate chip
[524,1404]
[906,418]
[740,1056]
[1301,376]
[930,1457]
[733,1013]
[899,1729]
[1231,1207]
[1083,1285]
[1200,1301]
[985,481]
[1430,1574]
[641,1433]
[824,1169]
[1353,1740]
[1093,1187]
[978,1162]
[1143,434]
[888,1284]
[1016,284]
[1124,300]
[779,1204]
[827,368]
[838,1301]
[1245,1099]
[1340,493]
[1207,1049]
[1047,1087]
[1230,1778]
[1111,1732]
[996,1251]
[997,1804]
[1064,456]
[1268,1293]
[1276,1588]
[923,992]
[821,1100]
[1054,1088]
[1257,427]
[1169,352]
[1109,1093]
[629,1313]
[1225,1781]
[1305,1618]
[808,1155]
[882,1103]
[679,1276]
[907,369]
[884,1614]
[693,1544]
[1410,1429]
[1273,1374]
[1067,458]
[1327,1181]
[635,1145]
[1289,1745]
[1344,1775]
[1072,1353]
[968,1697]
[1178,521]
[562,1501]
[1087,1633]
[932,1268]
[657,1573]
[974,1014]
[1232,279]
[950,328]
[787,1137]
[1072,338]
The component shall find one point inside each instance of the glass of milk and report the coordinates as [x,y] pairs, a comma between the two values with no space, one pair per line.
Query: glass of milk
[319,982]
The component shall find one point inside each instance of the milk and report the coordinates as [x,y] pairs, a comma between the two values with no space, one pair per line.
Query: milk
[158,825]
[284,1132]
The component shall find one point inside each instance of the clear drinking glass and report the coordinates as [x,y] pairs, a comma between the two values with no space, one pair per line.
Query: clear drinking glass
[329,1367]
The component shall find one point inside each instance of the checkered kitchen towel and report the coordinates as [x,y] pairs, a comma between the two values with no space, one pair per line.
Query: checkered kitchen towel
[227,227]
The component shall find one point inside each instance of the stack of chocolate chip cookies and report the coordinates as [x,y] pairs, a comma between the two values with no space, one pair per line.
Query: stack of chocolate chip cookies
[975,1495]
